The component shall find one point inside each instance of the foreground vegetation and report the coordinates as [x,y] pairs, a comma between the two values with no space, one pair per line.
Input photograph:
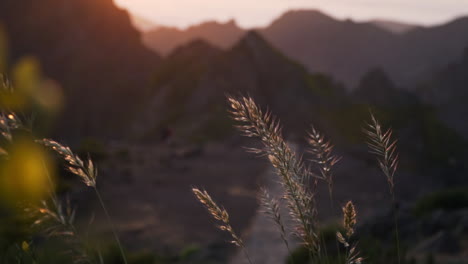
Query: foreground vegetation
[300,181]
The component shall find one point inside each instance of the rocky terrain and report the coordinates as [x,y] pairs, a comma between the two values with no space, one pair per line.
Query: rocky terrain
[91,48]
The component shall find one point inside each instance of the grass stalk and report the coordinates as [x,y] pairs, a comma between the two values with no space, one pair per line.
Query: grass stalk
[384,147]
[222,216]
[397,233]
[272,210]
[109,220]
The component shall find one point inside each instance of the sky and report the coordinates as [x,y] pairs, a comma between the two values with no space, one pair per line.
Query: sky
[257,13]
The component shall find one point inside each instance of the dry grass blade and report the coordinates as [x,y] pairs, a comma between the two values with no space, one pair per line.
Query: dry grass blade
[57,220]
[293,174]
[382,145]
[349,222]
[349,218]
[272,209]
[220,215]
[85,170]
[8,122]
[322,152]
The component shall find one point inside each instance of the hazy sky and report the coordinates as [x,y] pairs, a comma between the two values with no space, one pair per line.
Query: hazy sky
[251,13]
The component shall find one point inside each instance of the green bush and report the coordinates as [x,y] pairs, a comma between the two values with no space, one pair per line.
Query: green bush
[448,200]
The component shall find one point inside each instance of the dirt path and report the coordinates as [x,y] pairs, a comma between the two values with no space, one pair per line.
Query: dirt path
[263,241]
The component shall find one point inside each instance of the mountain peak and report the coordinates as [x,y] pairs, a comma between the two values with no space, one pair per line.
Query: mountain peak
[306,12]
[197,47]
[254,42]
[253,36]
[165,39]
[302,17]
[215,25]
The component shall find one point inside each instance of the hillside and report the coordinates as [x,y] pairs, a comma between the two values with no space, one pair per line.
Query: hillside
[189,98]
[447,90]
[196,78]
[347,49]
[165,39]
[343,49]
[92,50]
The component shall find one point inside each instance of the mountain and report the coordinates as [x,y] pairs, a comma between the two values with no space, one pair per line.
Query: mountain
[447,90]
[92,50]
[191,85]
[377,89]
[426,140]
[346,49]
[164,39]
[393,26]
[420,52]
[189,99]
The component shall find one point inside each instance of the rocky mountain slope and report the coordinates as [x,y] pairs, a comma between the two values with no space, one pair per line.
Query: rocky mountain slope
[192,83]
[343,49]
[448,91]
[92,50]
[165,39]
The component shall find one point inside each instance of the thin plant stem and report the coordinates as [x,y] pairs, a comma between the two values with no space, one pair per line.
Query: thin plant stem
[289,251]
[116,237]
[338,251]
[272,209]
[397,236]
[324,249]
[246,253]
[49,178]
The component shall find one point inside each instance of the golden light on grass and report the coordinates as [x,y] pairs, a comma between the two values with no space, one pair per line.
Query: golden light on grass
[25,174]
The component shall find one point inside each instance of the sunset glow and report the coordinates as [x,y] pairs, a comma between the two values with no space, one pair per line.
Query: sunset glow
[183,13]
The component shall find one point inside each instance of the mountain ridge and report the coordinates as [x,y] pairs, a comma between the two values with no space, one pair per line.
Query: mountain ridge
[164,39]
[252,66]
[347,50]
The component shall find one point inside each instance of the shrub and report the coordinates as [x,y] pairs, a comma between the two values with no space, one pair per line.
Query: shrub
[447,200]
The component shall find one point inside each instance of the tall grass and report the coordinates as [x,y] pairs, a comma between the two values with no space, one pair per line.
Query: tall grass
[296,178]
[384,147]
[222,216]
[323,157]
[51,216]
[272,209]
[299,179]
[87,172]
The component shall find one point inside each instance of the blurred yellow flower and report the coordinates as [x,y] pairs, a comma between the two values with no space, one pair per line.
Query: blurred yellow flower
[25,246]
[30,88]
[26,174]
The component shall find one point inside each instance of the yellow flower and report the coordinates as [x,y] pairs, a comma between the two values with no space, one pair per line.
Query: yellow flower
[25,246]
[26,174]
